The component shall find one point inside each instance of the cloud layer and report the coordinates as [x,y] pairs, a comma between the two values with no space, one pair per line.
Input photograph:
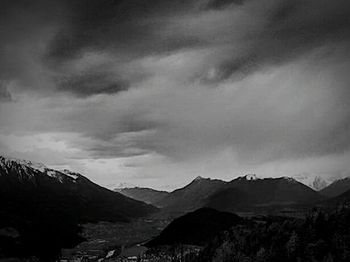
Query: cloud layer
[166,89]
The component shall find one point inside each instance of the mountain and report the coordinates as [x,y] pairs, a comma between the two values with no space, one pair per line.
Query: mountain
[244,193]
[195,228]
[147,195]
[87,200]
[337,188]
[342,200]
[191,196]
[247,193]
[45,206]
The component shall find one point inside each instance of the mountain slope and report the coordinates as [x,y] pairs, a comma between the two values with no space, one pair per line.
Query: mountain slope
[191,196]
[195,228]
[71,191]
[338,201]
[337,188]
[45,206]
[147,195]
[245,193]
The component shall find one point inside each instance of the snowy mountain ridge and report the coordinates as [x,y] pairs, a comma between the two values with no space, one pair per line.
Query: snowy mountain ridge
[29,169]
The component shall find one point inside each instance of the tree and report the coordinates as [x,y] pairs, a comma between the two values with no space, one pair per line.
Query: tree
[292,245]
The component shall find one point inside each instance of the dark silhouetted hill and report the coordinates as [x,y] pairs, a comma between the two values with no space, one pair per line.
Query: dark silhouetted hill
[195,228]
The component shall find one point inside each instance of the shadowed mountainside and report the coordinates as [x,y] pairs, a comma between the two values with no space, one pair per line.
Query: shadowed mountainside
[246,193]
[337,188]
[191,196]
[342,200]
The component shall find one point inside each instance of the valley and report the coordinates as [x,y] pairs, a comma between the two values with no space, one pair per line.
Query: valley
[115,239]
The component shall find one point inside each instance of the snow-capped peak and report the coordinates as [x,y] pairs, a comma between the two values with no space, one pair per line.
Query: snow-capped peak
[70,173]
[26,168]
[37,166]
[7,162]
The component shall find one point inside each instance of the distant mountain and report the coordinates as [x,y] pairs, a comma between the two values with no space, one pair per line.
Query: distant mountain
[45,205]
[147,195]
[318,183]
[247,193]
[337,188]
[195,228]
[191,197]
[244,193]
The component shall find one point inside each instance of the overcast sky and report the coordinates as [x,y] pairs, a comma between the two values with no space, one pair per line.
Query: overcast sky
[156,92]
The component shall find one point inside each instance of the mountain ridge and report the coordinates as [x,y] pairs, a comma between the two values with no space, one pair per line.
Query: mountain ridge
[244,194]
[40,177]
[191,196]
[336,188]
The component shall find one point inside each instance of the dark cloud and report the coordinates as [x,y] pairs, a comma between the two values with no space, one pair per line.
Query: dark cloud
[292,29]
[284,10]
[134,27]
[124,26]
[92,83]
[239,68]
[127,30]
[5,95]
[217,4]
[40,38]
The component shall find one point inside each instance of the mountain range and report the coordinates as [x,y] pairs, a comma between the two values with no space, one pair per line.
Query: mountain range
[241,194]
[245,193]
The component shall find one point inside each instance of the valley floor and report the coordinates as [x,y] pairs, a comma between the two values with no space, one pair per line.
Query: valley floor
[106,241]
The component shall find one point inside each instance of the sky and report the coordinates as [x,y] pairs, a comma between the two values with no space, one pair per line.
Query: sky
[156,92]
